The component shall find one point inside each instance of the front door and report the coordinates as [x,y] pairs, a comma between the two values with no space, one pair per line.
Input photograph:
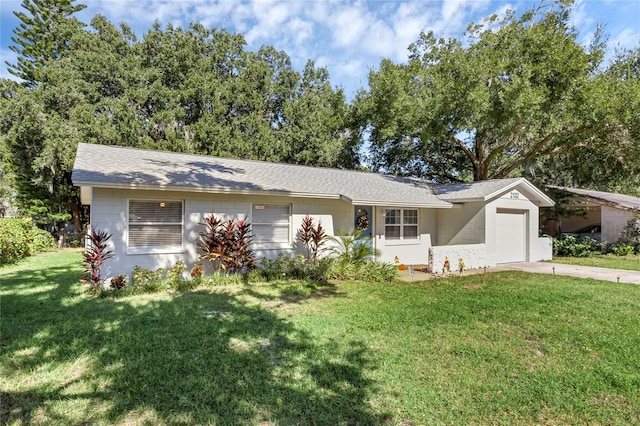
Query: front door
[363,220]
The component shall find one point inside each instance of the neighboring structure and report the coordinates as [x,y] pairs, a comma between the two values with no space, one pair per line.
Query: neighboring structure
[153,202]
[610,211]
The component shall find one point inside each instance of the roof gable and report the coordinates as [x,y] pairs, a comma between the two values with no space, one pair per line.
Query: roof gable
[489,189]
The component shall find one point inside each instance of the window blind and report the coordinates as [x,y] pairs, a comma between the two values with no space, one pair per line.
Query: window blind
[155,223]
[271,223]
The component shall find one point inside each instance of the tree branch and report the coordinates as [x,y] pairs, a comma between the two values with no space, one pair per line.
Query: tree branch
[466,150]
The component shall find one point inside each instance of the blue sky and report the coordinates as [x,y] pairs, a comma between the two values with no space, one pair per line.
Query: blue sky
[348,37]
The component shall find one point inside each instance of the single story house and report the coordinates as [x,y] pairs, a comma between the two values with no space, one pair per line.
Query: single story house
[153,202]
[605,212]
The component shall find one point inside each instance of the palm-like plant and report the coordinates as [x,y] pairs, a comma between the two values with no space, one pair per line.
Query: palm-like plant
[95,254]
[351,249]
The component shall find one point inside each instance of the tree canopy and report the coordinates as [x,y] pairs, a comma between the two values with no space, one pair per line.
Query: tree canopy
[511,97]
[42,35]
[514,96]
[194,90]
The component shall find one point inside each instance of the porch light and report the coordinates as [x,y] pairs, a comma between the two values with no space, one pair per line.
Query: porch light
[163,204]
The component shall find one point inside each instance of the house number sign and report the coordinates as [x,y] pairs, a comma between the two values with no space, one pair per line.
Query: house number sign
[515,194]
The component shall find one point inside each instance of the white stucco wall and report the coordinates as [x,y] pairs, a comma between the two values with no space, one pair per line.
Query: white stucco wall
[463,224]
[473,256]
[109,213]
[536,248]
[467,231]
[613,222]
[409,252]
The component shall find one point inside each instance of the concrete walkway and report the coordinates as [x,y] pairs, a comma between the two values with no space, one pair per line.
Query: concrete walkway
[614,275]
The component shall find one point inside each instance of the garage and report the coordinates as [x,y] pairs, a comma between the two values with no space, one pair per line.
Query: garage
[511,236]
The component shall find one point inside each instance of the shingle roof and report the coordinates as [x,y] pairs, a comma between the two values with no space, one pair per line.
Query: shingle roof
[111,166]
[474,190]
[617,200]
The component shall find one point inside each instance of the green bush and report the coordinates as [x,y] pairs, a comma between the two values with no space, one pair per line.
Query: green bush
[369,270]
[41,240]
[622,249]
[571,246]
[147,278]
[20,238]
[174,274]
[630,235]
[293,268]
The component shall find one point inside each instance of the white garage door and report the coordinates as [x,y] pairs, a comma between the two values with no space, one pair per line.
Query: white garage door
[511,236]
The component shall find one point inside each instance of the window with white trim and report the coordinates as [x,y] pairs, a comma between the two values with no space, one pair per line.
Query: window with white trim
[271,223]
[401,224]
[155,223]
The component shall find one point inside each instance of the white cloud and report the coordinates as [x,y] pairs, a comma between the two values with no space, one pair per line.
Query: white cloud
[351,68]
[270,17]
[579,16]
[627,39]
[349,24]
[300,29]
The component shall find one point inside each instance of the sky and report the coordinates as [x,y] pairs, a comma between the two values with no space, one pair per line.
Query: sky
[348,37]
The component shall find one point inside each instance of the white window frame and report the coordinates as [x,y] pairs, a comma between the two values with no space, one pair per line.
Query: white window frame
[272,244]
[402,225]
[173,248]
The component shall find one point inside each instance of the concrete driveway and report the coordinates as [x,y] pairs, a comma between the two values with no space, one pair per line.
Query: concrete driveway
[614,275]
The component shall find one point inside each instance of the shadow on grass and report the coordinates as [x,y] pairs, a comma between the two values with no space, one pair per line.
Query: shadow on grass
[198,357]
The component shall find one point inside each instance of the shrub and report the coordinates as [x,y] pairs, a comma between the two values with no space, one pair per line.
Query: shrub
[197,271]
[366,271]
[296,268]
[312,237]
[20,238]
[622,249]
[352,249]
[631,234]
[570,245]
[119,282]
[94,256]
[227,245]
[14,243]
[147,278]
[174,274]
[41,240]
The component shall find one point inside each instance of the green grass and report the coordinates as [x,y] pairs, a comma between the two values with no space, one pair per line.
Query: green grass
[631,263]
[506,348]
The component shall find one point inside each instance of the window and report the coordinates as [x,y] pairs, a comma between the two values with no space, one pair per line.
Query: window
[155,223]
[271,223]
[401,224]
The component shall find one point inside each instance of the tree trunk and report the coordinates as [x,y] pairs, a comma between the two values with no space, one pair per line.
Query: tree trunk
[75,213]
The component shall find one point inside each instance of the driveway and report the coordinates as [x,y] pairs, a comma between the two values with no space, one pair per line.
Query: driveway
[614,275]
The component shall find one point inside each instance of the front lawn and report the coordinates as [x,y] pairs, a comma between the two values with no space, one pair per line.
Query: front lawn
[505,348]
[630,263]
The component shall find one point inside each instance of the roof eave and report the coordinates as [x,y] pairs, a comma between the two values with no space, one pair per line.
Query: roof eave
[390,203]
[201,189]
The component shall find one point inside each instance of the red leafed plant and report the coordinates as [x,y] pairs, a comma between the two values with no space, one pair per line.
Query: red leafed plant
[227,245]
[94,256]
[313,237]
